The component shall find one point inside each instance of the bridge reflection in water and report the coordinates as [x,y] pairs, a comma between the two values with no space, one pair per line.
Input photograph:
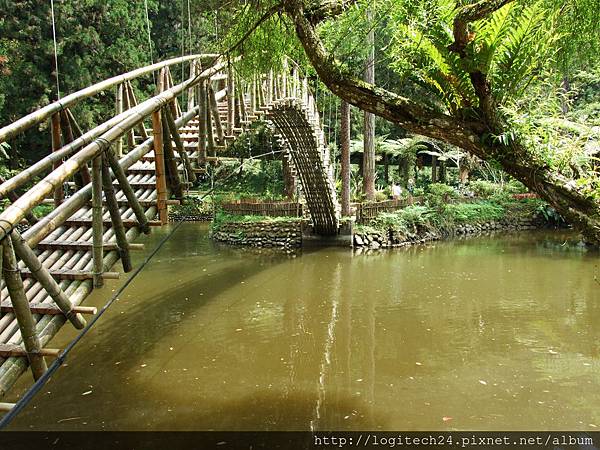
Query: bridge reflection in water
[419,338]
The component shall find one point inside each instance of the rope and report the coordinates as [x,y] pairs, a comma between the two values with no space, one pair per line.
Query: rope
[55,49]
[59,361]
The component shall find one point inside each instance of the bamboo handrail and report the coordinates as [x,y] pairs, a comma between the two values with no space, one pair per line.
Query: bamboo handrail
[47,111]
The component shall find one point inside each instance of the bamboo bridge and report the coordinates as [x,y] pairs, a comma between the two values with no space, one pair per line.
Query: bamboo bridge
[126,171]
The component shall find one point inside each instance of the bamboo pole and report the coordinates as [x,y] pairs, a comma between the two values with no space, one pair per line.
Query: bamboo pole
[126,105]
[43,276]
[202,129]
[170,162]
[159,163]
[192,92]
[270,87]
[13,197]
[253,96]
[59,194]
[210,138]
[14,284]
[214,107]
[97,222]
[118,110]
[124,185]
[231,95]
[133,102]
[115,216]
[179,145]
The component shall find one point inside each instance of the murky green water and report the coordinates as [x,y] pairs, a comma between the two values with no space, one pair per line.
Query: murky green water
[485,333]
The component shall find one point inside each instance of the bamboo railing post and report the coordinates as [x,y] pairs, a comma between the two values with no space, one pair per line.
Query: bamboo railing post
[43,276]
[97,223]
[126,107]
[270,87]
[159,163]
[214,107]
[59,194]
[192,91]
[73,131]
[231,95]
[202,124]
[253,96]
[170,162]
[14,284]
[83,176]
[179,145]
[210,138]
[119,110]
[124,185]
[237,105]
[115,215]
[284,80]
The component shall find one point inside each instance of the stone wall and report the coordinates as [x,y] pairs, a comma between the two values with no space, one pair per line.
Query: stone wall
[283,234]
[391,238]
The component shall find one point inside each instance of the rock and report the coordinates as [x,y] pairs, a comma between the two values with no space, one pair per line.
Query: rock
[375,245]
[358,240]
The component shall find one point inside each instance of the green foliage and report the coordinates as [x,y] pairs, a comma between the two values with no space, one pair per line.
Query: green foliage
[483,211]
[439,194]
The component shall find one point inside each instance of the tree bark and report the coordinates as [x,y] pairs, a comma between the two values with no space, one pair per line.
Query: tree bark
[345,157]
[472,135]
[369,119]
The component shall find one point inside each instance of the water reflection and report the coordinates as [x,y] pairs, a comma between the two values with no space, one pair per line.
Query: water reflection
[487,333]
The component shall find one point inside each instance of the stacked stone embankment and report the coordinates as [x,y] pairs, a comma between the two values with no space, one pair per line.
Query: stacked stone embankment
[280,233]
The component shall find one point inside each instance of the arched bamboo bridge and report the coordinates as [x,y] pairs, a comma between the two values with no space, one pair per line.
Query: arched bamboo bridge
[125,176]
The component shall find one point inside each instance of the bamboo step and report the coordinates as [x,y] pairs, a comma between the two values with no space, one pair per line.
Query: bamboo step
[127,223]
[66,274]
[81,245]
[39,308]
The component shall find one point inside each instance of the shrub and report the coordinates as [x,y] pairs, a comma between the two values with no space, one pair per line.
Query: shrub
[484,189]
[440,194]
[483,211]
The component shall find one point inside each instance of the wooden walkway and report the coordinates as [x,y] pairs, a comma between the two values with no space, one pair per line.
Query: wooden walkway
[60,258]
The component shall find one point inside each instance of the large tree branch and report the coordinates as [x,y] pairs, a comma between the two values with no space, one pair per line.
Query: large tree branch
[395,108]
[327,9]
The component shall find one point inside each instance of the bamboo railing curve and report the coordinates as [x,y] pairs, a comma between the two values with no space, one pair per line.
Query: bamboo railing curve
[47,111]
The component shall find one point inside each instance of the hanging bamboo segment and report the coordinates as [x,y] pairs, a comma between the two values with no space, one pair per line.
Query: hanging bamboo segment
[44,277]
[59,194]
[97,224]
[231,96]
[126,103]
[70,131]
[214,107]
[133,102]
[20,304]
[159,162]
[179,145]
[202,124]
[124,185]
[115,216]
[170,162]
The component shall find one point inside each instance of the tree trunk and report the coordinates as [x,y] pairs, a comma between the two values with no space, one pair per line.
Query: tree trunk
[386,168]
[404,171]
[345,144]
[442,174]
[369,120]
[434,169]
[289,181]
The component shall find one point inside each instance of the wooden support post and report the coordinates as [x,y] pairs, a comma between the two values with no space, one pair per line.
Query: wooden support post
[214,107]
[115,215]
[284,79]
[202,124]
[43,276]
[159,162]
[253,96]
[170,162]
[14,284]
[179,145]
[237,115]
[231,96]
[210,138]
[97,223]
[124,185]
[59,194]
[270,87]
[119,110]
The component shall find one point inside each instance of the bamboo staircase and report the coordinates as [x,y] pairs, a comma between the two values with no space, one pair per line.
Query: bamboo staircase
[51,268]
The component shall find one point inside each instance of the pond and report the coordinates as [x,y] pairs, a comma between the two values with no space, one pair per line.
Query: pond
[494,332]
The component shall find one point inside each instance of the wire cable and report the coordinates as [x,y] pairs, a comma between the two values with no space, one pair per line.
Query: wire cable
[55,49]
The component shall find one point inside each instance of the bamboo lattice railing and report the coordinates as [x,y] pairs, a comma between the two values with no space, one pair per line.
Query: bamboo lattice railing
[124,177]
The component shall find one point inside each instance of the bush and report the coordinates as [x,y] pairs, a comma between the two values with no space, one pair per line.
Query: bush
[484,189]
[440,194]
